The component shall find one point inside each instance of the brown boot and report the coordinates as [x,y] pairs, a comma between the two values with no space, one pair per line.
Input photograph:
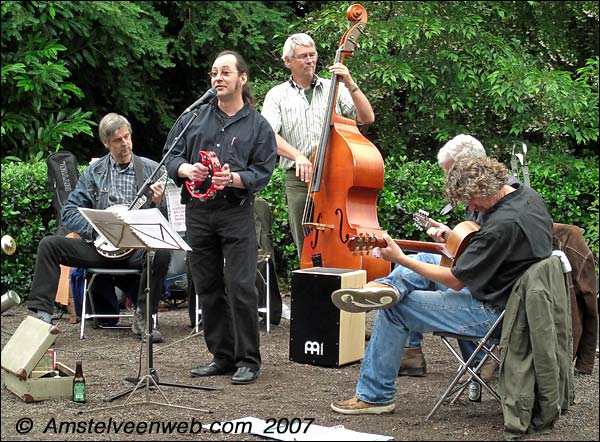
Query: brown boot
[413,362]
[488,370]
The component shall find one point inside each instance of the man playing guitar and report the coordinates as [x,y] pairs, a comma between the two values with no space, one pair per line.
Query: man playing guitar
[462,146]
[466,298]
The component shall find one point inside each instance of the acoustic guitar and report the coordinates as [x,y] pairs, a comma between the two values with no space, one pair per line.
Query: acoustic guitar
[456,242]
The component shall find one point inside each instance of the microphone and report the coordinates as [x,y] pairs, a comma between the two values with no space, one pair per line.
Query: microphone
[208,95]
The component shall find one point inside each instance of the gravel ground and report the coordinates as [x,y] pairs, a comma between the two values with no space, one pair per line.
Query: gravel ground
[284,390]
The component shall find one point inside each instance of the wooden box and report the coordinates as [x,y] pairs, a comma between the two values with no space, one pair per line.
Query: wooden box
[320,333]
[20,356]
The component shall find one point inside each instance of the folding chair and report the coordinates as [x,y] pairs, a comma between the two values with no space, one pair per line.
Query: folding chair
[92,273]
[263,279]
[485,344]
[266,310]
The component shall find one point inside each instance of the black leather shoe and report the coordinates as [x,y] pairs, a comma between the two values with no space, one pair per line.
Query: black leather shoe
[211,369]
[244,375]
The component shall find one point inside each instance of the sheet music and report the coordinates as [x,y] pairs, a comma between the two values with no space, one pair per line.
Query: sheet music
[144,228]
[113,228]
[175,208]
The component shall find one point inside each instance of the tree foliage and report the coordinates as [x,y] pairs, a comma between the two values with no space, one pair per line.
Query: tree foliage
[59,57]
[38,96]
[498,70]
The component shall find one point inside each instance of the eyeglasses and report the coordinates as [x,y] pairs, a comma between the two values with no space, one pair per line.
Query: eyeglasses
[224,73]
[305,57]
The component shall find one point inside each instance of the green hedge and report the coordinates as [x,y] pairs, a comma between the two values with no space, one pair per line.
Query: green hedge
[569,186]
[27,217]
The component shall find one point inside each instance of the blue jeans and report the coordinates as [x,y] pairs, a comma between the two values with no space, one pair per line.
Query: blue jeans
[415,338]
[466,347]
[423,306]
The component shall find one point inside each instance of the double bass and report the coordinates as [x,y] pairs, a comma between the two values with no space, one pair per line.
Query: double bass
[346,181]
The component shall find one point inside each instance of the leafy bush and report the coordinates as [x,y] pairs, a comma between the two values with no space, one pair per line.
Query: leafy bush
[286,256]
[27,217]
[40,109]
[569,185]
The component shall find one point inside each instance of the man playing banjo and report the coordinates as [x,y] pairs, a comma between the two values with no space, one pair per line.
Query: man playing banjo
[110,181]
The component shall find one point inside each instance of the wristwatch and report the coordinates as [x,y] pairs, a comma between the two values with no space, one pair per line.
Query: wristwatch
[230,182]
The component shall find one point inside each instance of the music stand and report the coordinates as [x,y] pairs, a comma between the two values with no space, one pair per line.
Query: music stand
[141,229]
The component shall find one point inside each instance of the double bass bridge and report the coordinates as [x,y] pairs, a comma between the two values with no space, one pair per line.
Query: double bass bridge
[319,226]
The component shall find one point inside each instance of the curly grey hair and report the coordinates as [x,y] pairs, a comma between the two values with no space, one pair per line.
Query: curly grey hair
[471,178]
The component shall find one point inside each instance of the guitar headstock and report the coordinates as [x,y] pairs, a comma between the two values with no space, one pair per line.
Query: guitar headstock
[420,217]
[162,180]
[365,243]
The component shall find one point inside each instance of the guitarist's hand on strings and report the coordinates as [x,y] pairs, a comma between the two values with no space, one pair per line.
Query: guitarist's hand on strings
[438,231]
[158,190]
[392,252]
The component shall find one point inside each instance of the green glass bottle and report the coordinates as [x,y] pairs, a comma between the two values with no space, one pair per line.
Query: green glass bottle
[78,384]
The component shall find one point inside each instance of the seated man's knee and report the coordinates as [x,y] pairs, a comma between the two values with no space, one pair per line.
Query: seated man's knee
[48,243]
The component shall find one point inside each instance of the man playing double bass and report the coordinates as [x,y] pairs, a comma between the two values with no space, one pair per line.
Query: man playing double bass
[296,111]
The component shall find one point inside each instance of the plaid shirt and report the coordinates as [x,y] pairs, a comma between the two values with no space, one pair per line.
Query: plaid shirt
[122,186]
[102,185]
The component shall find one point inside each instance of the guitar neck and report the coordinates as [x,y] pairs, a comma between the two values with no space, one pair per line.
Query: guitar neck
[421,246]
[366,244]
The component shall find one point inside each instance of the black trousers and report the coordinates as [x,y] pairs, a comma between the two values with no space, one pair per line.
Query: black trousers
[222,236]
[54,250]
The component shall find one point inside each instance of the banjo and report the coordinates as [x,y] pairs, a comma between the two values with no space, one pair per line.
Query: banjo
[105,248]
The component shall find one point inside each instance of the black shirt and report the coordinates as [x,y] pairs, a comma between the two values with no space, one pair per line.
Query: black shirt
[516,233]
[244,140]
[477,217]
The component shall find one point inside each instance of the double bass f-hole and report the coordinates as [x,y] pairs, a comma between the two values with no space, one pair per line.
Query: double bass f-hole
[316,241]
[340,213]
[319,226]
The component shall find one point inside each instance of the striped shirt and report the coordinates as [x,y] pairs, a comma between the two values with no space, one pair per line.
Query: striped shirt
[299,122]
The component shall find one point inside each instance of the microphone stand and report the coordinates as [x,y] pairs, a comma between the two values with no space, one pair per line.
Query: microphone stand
[144,189]
[195,331]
